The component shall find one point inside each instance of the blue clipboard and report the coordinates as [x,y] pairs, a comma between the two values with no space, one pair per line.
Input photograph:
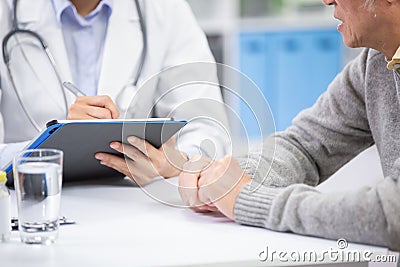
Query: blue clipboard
[80,140]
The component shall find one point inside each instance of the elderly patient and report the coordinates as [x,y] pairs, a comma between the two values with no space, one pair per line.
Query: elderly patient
[360,108]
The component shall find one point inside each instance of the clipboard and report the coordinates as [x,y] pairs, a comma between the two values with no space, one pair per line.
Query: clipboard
[81,139]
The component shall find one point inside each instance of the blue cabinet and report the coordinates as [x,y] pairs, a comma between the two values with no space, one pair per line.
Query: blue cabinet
[257,53]
[291,69]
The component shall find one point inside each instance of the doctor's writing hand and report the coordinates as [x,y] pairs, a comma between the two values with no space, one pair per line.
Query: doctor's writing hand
[215,186]
[142,161]
[93,107]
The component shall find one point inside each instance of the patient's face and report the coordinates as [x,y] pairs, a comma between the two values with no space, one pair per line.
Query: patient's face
[359,24]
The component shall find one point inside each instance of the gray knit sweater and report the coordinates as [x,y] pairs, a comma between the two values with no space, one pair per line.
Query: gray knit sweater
[360,108]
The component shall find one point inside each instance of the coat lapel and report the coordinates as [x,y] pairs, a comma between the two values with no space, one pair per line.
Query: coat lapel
[39,16]
[122,50]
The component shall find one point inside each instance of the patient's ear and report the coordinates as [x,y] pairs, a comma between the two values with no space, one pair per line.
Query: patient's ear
[391,4]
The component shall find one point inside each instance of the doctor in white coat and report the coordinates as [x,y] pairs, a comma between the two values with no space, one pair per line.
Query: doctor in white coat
[173,38]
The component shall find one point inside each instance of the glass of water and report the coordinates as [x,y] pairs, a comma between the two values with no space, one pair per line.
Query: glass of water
[38,181]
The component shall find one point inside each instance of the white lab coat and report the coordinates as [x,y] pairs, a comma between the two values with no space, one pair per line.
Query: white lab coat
[174,38]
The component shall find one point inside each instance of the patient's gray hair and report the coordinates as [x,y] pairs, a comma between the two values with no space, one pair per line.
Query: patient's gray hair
[369,3]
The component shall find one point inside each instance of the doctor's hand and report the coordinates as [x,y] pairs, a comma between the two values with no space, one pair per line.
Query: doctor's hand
[210,186]
[143,162]
[93,107]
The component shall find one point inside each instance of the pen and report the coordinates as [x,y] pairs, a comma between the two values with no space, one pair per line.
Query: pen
[73,89]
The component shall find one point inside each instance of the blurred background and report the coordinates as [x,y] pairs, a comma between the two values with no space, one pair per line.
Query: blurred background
[289,48]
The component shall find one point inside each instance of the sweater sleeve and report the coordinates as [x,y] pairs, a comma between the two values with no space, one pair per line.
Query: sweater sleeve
[369,215]
[321,140]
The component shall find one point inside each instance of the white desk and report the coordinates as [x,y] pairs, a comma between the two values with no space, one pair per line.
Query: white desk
[119,225]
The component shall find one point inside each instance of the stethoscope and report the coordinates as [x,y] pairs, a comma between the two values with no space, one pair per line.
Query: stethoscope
[16,30]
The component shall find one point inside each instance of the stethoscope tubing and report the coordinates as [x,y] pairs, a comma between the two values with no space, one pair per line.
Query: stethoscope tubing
[50,57]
